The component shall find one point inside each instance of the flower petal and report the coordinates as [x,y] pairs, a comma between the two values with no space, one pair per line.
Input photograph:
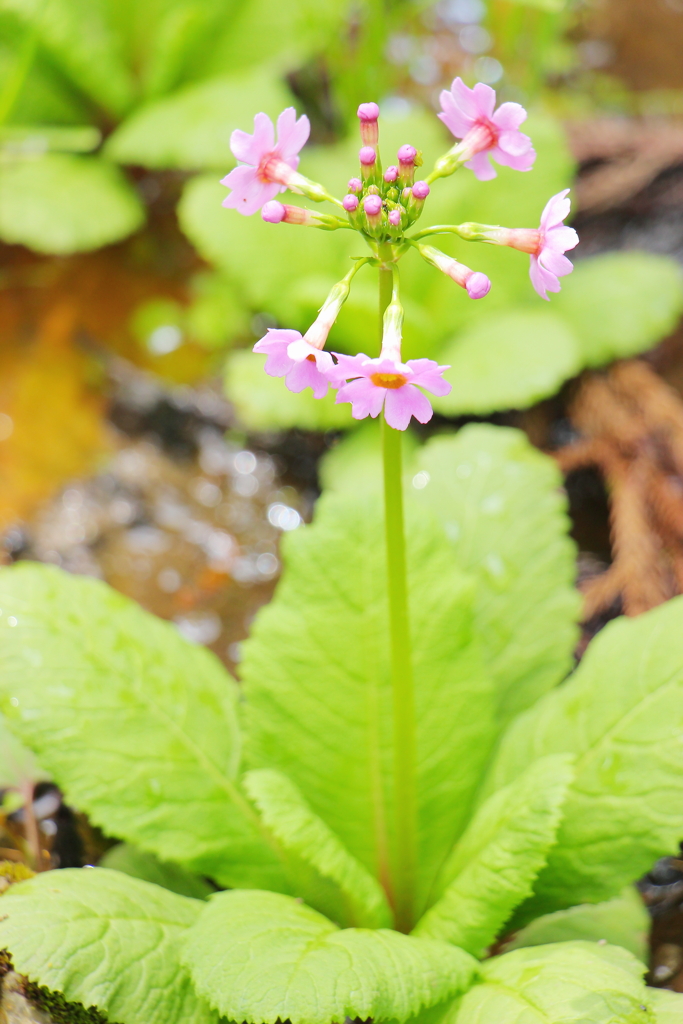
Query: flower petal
[292,135]
[555,210]
[560,238]
[514,143]
[402,403]
[348,366]
[555,262]
[541,279]
[366,399]
[521,162]
[428,375]
[509,116]
[453,117]
[485,99]
[249,192]
[481,165]
[464,99]
[307,375]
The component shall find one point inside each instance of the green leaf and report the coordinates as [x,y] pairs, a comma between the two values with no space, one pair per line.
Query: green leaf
[493,866]
[303,833]
[60,203]
[566,983]
[500,503]
[623,921]
[136,725]
[507,360]
[18,766]
[264,403]
[107,940]
[316,679]
[355,462]
[667,1006]
[191,128]
[620,304]
[139,864]
[263,957]
[621,714]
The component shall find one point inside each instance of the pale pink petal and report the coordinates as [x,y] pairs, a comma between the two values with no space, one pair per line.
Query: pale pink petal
[244,148]
[455,120]
[264,136]
[509,116]
[560,238]
[481,165]
[428,374]
[485,99]
[292,135]
[541,279]
[465,99]
[239,178]
[514,143]
[250,195]
[366,399]
[402,403]
[307,375]
[386,365]
[555,210]
[523,161]
[274,335]
[555,262]
[347,367]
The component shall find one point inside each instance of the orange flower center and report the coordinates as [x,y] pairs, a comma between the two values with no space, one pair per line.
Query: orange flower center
[310,358]
[388,380]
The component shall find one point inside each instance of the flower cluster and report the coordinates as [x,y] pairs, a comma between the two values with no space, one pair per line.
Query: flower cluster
[383,205]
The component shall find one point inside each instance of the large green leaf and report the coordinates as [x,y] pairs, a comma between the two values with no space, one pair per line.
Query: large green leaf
[500,503]
[667,1006]
[263,957]
[265,403]
[494,865]
[59,203]
[621,714]
[316,679]
[137,725]
[566,983]
[191,128]
[107,940]
[140,864]
[623,921]
[507,360]
[621,303]
[301,832]
[18,766]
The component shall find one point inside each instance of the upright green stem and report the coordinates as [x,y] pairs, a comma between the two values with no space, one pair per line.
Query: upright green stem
[405,795]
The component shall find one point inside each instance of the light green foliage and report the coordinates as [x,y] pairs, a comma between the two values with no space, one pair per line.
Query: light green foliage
[494,864]
[107,940]
[191,128]
[300,831]
[621,714]
[355,463]
[138,725]
[215,316]
[507,360]
[667,1006]
[18,765]
[140,864]
[499,501]
[620,304]
[60,203]
[316,679]
[566,983]
[265,403]
[263,957]
[622,921]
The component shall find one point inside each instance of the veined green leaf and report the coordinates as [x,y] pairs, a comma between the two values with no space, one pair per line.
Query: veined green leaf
[192,127]
[667,1006]
[59,203]
[304,834]
[493,866]
[18,766]
[107,940]
[620,304]
[565,983]
[316,679]
[623,921]
[508,360]
[263,957]
[139,864]
[500,503]
[621,714]
[136,725]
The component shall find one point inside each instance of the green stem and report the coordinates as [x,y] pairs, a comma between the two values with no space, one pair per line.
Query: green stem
[403,699]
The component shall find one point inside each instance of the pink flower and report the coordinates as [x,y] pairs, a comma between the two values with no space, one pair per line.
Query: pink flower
[469,114]
[549,263]
[386,383]
[300,363]
[266,167]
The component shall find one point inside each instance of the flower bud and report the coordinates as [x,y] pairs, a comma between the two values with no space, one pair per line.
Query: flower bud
[476,284]
[355,185]
[391,173]
[420,190]
[350,203]
[372,205]
[395,218]
[368,163]
[273,212]
[369,131]
[406,164]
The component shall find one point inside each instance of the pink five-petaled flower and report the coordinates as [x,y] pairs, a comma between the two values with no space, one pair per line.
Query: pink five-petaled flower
[300,363]
[264,164]
[374,384]
[469,114]
[549,262]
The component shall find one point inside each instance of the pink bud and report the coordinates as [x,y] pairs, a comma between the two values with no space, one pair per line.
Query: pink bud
[350,203]
[355,185]
[406,194]
[372,205]
[391,173]
[368,112]
[273,212]
[367,156]
[395,218]
[477,285]
[420,190]
[407,154]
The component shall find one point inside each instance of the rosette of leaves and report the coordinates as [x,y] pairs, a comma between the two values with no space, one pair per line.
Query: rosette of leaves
[531,797]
